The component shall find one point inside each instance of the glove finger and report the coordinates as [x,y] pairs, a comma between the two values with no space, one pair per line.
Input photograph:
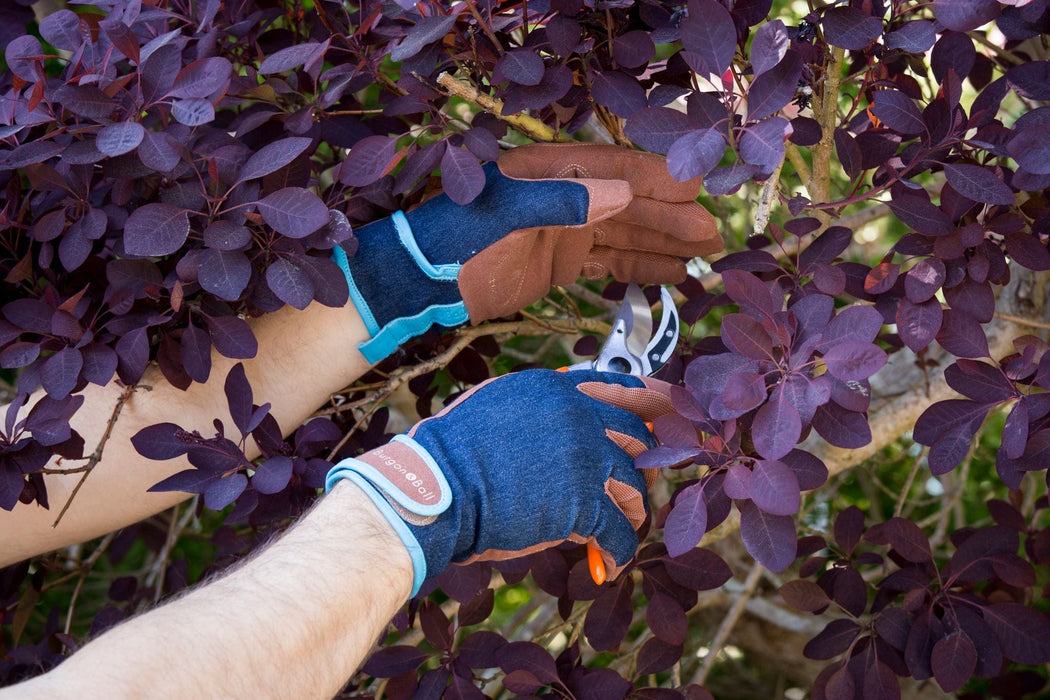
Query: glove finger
[690,230]
[616,537]
[638,267]
[647,402]
[646,172]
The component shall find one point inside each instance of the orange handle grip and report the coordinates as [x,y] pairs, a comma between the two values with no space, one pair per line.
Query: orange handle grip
[595,564]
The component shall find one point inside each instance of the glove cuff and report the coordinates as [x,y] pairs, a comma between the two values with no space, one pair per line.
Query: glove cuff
[409,489]
[397,290]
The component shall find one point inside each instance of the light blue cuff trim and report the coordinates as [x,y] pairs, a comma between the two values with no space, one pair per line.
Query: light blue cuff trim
[387,340]
[415,552]
[447,271]
[343,262]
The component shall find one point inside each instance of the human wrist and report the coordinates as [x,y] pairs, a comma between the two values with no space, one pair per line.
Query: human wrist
[409,490]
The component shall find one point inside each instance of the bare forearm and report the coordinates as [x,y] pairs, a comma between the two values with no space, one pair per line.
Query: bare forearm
[303,357]
[294,622]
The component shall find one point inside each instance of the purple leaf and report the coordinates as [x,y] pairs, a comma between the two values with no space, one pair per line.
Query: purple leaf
[842,428]
[695,154]
[187,481]
[196,353]
[744,391]
[776,428]
[918,324]
[897,111]
[657,655]
[850,28]
[687,521]
[1028,251]
[1030,78]
[239,397]
[770,539]
[745,335]
[132,355]
[202,78]
[85,101]
[291,57]
[854,323]
[24,56]
[232,337]
[965,15]
[763,143]
[522,66]
[978,183]
[752,294]
[953,661]
[916,36]
[293,211]
[620,93]
[738,482]
[835,638]
[907,539]
[1023,633]
[482,143]
[698,570]
[853,360]
[224,273]
[273,156]
[160,441]
[709,32]
[825,248]
[773,90]
[461,176]
[633,49]
[1015,431]
[805,596]
[531,657]
[100,363]
[368,160]
[156,229]
[810,471]
[194,111]
[1030,147]
[394,660]
[119,138]
[222,492]
[923,280]
[657,128]
[666,618]
[159,151]
[290,282]
[921,214]
[849,525]
[19,354]
[663,456]
[609,617]
[60,372]
[774,488]
[769,44]
[945,416]
[272,475]
[962,335]
[426,31]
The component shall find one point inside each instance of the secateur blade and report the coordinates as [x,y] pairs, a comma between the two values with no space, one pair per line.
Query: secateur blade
[631,347]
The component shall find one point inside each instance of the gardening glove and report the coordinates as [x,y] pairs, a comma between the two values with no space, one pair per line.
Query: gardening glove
[547,214]
[515,465]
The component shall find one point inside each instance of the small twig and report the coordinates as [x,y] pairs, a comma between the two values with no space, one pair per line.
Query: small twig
[766,199]
[908,482]
[528,125]
[1022,321]
[729,622]
[96,456]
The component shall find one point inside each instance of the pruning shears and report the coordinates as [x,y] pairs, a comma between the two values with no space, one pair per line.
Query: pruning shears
[632,347]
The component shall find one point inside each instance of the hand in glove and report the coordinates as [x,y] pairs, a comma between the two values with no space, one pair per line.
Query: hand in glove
[516,465]
[548,213]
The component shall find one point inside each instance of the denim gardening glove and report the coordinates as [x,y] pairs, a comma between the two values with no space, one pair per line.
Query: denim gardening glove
[547,214]
[518,464]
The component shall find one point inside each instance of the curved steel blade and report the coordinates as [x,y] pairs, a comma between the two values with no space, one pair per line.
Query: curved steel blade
[624,349]
[663,343]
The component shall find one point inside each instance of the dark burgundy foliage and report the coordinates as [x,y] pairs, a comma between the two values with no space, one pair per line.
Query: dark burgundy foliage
[171,169]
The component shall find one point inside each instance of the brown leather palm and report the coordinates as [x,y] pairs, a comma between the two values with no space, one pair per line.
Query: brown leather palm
[641,223]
